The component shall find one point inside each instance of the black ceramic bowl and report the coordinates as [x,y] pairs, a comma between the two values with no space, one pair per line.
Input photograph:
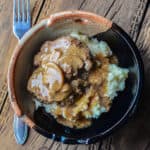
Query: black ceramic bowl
[123,105]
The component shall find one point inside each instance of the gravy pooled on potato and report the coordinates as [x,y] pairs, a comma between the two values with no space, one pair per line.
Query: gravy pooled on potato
[78,78]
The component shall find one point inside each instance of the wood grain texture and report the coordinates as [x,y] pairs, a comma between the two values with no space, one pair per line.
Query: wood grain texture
[5,35]
[128,14]
[136,134]
[51,6]
[8,41]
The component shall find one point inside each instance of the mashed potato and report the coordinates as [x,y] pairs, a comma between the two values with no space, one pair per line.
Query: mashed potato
[115,80]
[94,45]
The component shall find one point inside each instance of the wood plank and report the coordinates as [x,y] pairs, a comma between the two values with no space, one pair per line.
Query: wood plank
[113,9]
[60,5]
[36,9]
[5,35]
[8,41]
[136,134]
[125,13]
[7,44]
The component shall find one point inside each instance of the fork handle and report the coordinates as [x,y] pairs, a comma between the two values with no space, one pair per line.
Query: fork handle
[20,130]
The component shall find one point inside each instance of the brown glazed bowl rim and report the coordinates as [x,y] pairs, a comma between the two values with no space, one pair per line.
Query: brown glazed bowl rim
[46,23]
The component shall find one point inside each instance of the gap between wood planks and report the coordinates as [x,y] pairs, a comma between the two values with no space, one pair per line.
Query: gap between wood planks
[139,26]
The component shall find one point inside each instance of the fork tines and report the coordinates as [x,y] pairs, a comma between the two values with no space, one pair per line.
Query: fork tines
[21,10]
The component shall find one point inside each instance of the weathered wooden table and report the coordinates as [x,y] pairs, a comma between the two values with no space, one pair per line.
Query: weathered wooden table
[134,17]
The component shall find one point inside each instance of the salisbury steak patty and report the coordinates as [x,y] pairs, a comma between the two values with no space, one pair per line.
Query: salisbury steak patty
[69,53]
[58,65]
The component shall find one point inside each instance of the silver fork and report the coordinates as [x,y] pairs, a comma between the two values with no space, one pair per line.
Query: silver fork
[21,24]
[21,17]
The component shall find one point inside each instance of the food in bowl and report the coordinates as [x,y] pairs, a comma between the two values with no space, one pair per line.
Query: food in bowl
[77,78]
